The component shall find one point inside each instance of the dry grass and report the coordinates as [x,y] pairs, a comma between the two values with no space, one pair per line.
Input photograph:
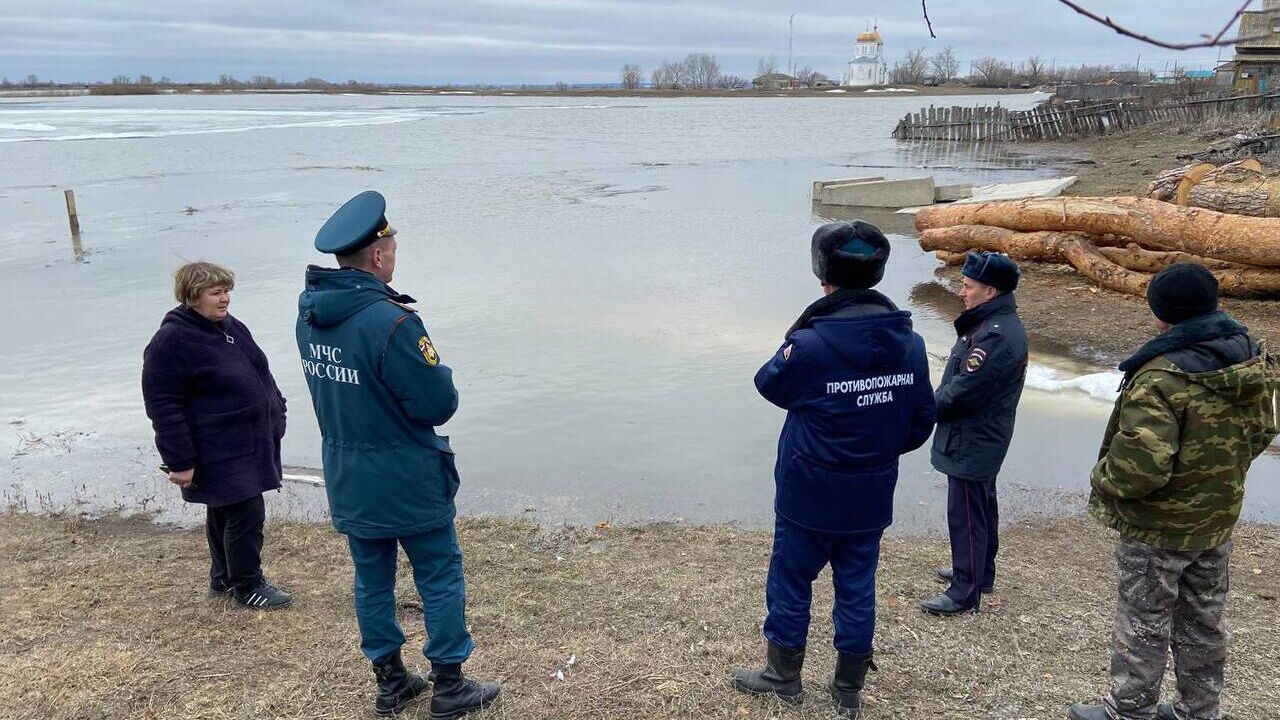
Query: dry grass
[107,619]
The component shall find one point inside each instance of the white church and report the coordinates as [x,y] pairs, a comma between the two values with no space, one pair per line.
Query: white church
[867,67]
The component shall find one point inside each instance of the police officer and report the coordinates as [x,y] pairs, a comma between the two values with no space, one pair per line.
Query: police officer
[379,391]
[854,380]
[977,400]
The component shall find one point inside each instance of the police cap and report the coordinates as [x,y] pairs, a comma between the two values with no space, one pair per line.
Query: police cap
[357,224]
[994,269]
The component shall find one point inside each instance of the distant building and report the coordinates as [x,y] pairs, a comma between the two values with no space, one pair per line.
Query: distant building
[1257,62]
[867,67]
[775,81]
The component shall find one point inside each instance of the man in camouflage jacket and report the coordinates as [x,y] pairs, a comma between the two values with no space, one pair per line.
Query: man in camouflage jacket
[1196,407]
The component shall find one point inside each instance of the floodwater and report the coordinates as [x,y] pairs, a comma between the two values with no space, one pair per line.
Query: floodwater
[604,277]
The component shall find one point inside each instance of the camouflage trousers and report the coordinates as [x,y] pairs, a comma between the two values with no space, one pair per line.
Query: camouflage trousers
[1169,598]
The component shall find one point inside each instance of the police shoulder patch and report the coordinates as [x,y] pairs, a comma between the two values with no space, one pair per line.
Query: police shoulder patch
[428,351]
[974,362]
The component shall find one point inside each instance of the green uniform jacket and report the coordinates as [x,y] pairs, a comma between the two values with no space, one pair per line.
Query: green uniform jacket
[1173,463]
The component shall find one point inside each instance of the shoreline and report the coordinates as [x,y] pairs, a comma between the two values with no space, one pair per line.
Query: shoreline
[447,91]
[654,617]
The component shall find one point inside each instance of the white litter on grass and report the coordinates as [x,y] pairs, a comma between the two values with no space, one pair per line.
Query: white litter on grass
[559,675]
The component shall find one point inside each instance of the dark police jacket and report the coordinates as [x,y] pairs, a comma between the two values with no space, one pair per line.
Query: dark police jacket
[379,391]
[214,406]
[854,380]
[978,396]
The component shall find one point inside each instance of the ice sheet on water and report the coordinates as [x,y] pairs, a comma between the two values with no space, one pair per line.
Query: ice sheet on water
[1099,385]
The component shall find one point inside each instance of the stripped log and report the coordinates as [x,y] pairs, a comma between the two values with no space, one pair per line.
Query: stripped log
[1085,258]
[1234,280]
[1150,223]
[1037,246]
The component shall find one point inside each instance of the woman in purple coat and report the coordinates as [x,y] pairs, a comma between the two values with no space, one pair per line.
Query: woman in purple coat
[218,418]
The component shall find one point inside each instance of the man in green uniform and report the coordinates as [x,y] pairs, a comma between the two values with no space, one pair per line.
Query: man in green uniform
[1197,405]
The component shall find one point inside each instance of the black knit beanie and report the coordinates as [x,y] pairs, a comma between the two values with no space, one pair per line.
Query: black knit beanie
[849,254]
[1182,291]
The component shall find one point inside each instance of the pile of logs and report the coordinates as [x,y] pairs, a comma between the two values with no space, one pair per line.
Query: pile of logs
[1239,188]
[1117,242]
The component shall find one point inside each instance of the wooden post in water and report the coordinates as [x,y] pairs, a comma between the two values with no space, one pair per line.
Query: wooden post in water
[77,250]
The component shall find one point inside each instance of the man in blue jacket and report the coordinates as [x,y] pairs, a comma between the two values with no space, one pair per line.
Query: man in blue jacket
[854,380]
[977,402]
[379,392]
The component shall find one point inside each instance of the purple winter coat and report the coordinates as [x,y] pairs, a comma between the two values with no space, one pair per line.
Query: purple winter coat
[214,407]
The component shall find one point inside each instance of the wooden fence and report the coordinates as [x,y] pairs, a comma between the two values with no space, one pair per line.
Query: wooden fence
[979,124]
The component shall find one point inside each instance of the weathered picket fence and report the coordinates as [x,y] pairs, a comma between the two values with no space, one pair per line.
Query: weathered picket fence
[978,124]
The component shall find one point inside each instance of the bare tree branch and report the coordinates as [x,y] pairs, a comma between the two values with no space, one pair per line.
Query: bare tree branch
[924,6]
[1210,40]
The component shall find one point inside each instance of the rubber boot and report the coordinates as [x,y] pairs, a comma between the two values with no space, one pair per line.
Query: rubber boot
[456,695]
[846,684]
[780,675]
[397,687]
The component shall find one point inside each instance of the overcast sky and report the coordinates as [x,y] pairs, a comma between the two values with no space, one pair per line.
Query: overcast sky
[546,41]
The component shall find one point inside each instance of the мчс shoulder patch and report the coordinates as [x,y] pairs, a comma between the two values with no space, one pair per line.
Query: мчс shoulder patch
[977,357]
[428,351]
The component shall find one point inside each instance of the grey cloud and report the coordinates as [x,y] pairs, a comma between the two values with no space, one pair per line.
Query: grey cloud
[547,40]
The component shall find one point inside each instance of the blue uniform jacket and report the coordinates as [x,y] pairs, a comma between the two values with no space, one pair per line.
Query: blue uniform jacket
[379,391]
[980,389]
[854,379]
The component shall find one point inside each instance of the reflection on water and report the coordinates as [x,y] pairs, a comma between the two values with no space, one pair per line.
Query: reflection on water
[603,278]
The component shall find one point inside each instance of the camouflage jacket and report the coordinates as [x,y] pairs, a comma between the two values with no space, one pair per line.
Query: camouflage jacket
[1181,439]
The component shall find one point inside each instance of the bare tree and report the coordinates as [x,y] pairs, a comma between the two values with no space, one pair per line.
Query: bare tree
[808,77]
[992,72]
[32,80]
[632,76]
[910,70]
[767,66]
[945,65]
[670,75]
[732,82]
[122,80]
[700,70]
[145,80]
[1033,71]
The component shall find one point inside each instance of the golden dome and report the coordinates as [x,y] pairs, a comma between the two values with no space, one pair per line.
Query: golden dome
[870,36]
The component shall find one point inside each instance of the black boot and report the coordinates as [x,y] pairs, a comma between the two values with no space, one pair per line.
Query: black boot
[396,685]
[846,684]
[456,695]
[779,676]
[1080,711]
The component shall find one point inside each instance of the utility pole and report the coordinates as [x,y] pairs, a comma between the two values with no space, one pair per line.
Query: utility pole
[791,38]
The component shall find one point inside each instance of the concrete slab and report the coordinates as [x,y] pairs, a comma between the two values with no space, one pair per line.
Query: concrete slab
[880,193]
[1018,190]
[1010,191]
[952,193]
[818,185]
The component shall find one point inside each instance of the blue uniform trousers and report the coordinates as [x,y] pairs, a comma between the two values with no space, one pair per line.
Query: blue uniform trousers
[973,519]
[437,571]
[798,556]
